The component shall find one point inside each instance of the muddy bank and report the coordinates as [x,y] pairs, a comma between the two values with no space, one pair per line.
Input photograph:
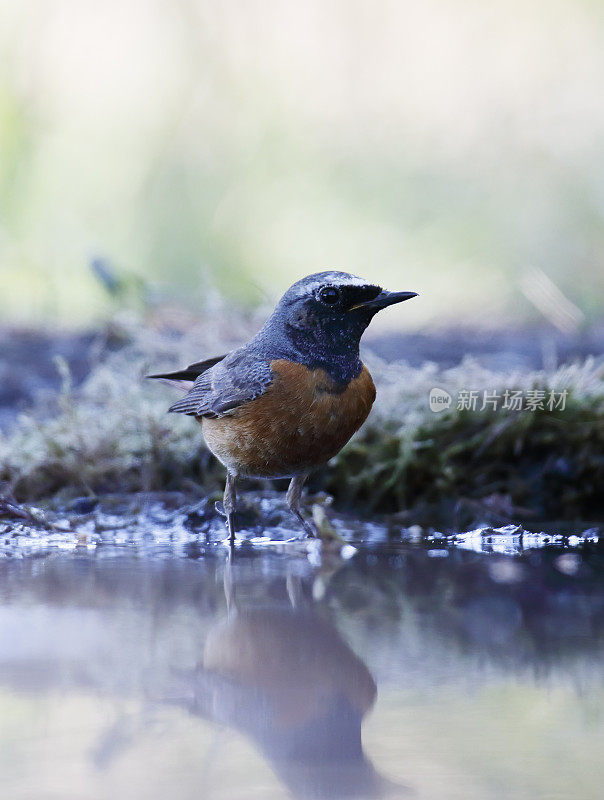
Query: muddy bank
[179,524]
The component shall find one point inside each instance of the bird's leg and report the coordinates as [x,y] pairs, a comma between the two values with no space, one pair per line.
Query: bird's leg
[229,501]
[294,494]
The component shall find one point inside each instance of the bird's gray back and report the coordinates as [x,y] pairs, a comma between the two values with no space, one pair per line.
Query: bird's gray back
[242,376]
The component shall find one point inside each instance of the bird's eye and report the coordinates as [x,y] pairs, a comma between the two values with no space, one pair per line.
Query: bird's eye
[329,295]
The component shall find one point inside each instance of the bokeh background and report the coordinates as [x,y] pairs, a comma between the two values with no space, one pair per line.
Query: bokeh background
[197,149]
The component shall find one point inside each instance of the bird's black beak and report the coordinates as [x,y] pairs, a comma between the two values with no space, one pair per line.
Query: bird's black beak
[383,300]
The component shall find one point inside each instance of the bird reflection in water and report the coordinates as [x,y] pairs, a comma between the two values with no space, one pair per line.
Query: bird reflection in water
[284,677]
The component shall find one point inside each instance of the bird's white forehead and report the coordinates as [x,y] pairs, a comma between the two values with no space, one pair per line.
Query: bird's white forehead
[333,278]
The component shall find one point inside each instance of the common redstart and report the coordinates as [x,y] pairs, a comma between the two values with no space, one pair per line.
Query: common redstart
[289,400]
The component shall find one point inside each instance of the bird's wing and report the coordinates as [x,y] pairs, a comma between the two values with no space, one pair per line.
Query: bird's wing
[192,372]
[230,383]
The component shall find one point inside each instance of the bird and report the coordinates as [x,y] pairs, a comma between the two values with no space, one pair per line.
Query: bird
[287,401]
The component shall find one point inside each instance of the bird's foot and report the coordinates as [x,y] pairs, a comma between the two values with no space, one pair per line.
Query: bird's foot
[230,520]
[310,529]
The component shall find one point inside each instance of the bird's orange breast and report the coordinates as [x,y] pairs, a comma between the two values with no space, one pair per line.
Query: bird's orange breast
[302,420]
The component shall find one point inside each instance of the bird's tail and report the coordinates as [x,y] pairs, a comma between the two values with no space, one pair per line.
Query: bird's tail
[191,373]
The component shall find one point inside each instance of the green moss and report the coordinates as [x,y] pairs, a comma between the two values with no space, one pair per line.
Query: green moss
[548,463]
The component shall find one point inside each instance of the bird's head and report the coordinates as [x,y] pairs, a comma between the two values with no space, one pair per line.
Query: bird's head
[325,314]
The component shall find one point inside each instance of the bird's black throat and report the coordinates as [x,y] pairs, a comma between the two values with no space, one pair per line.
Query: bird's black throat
[319,343]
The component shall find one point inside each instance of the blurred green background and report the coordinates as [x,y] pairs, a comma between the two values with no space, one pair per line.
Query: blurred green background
[452,147]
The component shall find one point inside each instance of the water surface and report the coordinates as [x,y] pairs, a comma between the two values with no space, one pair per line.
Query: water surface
[148,667]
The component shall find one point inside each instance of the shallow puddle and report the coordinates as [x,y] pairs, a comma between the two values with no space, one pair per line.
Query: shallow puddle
[140,659]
